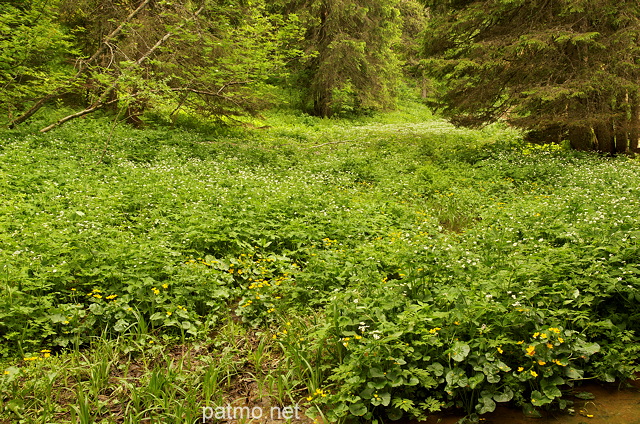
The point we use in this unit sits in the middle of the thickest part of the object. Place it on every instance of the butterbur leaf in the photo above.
(574, 373)
(121, 326)
(358, 409)
(459, 351)
(539, 399)
(386, 399)
(550, 389)
(505, 396)
(475, 380)
(437, 369)
(485, 404)
(375, 372)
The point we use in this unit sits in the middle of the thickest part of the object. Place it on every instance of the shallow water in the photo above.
(611, 405)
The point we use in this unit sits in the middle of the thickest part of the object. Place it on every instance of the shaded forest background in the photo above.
(563, 70)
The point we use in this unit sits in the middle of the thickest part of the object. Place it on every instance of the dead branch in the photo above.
(326, 144)
(82, 67)
(101, 100)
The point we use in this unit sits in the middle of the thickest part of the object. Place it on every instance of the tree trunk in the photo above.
(581, 138)
(622, 138)
(634, 126)
(605, 138)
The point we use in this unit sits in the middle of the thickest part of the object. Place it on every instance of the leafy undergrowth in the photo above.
(391, 267)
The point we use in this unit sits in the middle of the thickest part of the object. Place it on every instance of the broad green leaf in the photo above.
(459, 351)
(539, 399)
(358, 409)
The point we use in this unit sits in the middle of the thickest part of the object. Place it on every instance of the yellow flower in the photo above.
(520, 369)
(520, 342)
(165, 286)
(46, 355)
(168, 313)
(536, 334)
(543, 335)
(531, 350)
(541, 363)
(155, 290)
(500, 350)
(533, 373)
(560, 339)
(549, 345)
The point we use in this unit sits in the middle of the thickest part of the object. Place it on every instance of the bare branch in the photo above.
(101, 100)
(82, 67)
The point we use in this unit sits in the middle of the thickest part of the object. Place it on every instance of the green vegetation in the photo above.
(561, 69)
(209, 238)
(385, 267)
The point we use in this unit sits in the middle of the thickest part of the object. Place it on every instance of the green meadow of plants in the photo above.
(384, 268)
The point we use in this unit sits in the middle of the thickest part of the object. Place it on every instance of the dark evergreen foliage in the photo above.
(563, 69)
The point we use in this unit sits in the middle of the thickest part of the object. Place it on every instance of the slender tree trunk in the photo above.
(634, 127)
(425, 85)
(621, 137)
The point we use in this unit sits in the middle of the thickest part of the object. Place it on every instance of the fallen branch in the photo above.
(326, 144)
(101, 100)
(82, 67)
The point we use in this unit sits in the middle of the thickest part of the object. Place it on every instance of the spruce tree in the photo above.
(560, 69)
(350, 65)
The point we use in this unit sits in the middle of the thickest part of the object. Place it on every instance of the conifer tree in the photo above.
(350, 65)
(561, 69)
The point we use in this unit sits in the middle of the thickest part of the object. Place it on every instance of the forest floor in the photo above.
(380, 269)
